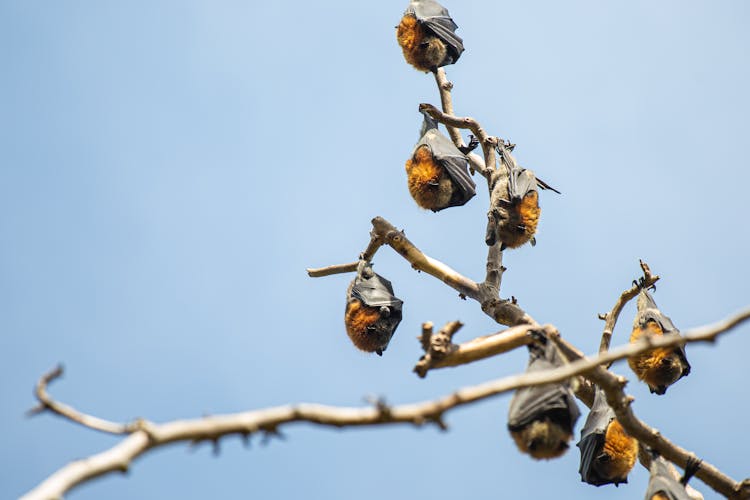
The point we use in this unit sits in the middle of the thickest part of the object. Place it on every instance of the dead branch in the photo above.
(144, 436)
(437, 355)
(444, 88)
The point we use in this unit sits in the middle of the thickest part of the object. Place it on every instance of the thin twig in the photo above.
(335, 269)
(488, 143)
(444, 88)
(372, 247)
(610, 318)
(46, 403)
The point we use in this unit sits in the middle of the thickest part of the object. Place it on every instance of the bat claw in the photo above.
(473, 143)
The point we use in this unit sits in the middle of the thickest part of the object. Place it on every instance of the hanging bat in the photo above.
(513, 220)
(608, 453)
(427, 36)
(662, 484)
(372, 312)
(661, 367)
(541, 418)
(438, 172)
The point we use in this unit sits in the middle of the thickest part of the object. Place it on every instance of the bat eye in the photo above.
(603, 458)
(385, 312)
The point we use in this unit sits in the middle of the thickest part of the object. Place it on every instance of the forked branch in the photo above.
(144, 436)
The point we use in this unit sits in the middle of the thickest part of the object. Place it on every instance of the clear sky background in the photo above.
(168, 169)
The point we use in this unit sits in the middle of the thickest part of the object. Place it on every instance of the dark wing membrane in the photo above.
(647, 310)
(455, 163)
(436, 19)
(663, 482)
(375, 291)
(554, 400)
(543, 185)
(530, 403)
(592, 438)
(444, 28)
(591, 446)
(599, 417)
(457, 169)
(655, 315)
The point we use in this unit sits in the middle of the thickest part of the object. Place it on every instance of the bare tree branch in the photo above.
(488, 143)
(145, 436)
(505, 312)
(46, 403)
(437, 355)
(444, 88)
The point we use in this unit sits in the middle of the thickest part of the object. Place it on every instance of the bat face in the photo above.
(427, 36)
(372, 312)
(541, 418)
(608, 453)
(662, 485)
(437, 172)
(661, 367)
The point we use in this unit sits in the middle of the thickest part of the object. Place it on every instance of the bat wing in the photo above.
(662, 481)
(455, 163)
(592, 439)
(520, 180)
(648, 311)
(530, 403)
(553, 400)
(525, 182)
(375, 291)
(436, 19)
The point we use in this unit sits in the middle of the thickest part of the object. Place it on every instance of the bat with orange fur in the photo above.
(427, 36)
(541, 418)
(514, 218)
(437, 171)
(608, 453)
(372, 312)
(660, 367)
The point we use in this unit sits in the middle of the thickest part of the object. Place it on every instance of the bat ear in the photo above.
(533, 241)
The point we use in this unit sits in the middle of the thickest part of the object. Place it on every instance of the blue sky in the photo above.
(169, 169)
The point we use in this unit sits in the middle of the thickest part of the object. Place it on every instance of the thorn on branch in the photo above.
(439, 422)
(269, 433)
(36, 410)
(384, 411)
